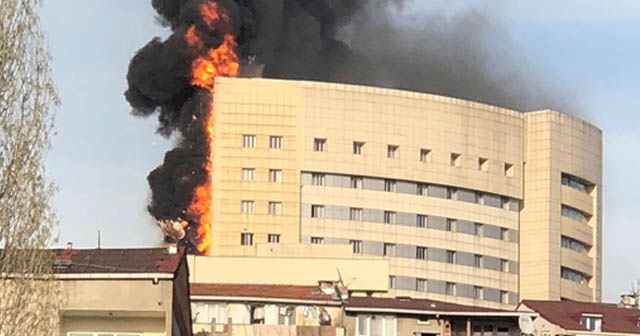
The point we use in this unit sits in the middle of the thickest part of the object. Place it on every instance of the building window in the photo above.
(452, 193)
(357, 147)
(573, 244)
(375, 325)
(477, 229)
(317, 211)
(249, 141)
(202, 312)
(425, 155)
(483, 164)
(591, 322)
(480, 198)
(355, 214)
(390, 185)
(478, 293)
(392, 282)
(504, 265)
(573, 275)
(451, 257)
(356, 246)
(450, 288)
(275, 208)
(392, 151)
(454, 160)
(319, 144)
(504, 234)
(508, 169)
(318, 179)
(389, 217)
(421, 252)
(248, 174)
(421, 285)
(248, 207)
(317, 240)
(389, 250)
(576, 183)
(275, 142)
(477, 260)
(504, 202)
(357, 182)
(275, 175)
(451, 225)
(273, 238)
(246, 239)
(574, 214)
(421, 221)
(504, 297)
(422, 189)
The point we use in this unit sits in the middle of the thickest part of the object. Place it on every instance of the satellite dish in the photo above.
(526, 324)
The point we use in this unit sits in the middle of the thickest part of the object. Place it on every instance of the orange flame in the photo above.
(221, 61)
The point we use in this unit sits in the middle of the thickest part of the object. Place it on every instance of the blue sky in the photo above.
(101, 155)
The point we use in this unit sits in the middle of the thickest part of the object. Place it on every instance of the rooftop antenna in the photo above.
(99, 240)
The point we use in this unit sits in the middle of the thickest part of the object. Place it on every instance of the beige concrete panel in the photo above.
(410, 203)
(577, 200)
(410, 235)
(363, 274)
(575, 291)
(454, 273)
(147, 326)
(577, 230)
(304, 250)
(577, 261)
(118, 295)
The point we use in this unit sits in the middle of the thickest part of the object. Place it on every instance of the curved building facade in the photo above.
(469, 203)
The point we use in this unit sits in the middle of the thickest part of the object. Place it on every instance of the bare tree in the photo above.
(29, 296)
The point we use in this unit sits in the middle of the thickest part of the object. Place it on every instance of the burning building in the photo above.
(469, 202)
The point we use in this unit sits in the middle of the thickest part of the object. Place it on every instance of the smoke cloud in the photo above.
(371, 42)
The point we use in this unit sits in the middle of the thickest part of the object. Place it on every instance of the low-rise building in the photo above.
(123, 292)
(247, 309)
(581, 318)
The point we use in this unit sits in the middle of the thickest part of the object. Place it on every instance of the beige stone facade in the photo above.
(468, 203)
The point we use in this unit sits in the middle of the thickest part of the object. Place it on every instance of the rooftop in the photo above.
(287, 292)
(566, 314)
(116, 260)
(417, 305)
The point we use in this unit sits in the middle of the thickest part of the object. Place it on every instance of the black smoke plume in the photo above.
(371, 42)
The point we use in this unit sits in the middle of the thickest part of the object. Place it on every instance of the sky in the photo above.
(101, 154)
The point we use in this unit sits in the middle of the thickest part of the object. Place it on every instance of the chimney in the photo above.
(69, 246)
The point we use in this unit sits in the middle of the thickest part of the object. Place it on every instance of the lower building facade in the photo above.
(466, 202)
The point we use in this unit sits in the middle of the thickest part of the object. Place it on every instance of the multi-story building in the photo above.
(469, 203)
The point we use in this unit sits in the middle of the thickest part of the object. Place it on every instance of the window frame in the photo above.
(248, 175)
(392, 151)
(246, 238)
(319, 144)
(275, 141)
(275, 208)
(356, 246)
(249, 141)
(358, 146)
(317, 211)
(273, 241)
(275, 175)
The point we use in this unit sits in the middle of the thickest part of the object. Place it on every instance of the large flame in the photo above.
(220, 61)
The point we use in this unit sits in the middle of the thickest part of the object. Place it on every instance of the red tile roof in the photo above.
(415, 304)
(288, 292)
(566, 314)
(117, 260)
